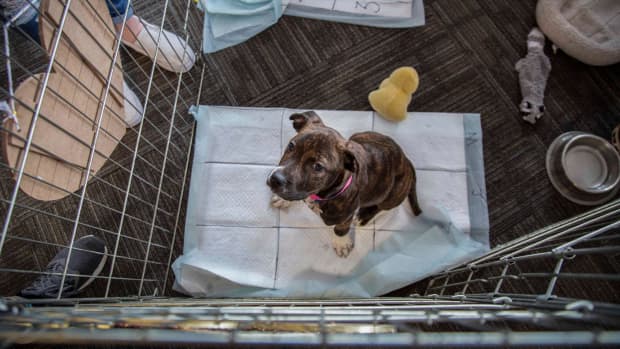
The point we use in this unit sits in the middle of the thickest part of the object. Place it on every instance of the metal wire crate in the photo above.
(134, 201)
(556, 286)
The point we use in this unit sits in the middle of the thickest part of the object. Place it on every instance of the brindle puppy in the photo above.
(342, 180)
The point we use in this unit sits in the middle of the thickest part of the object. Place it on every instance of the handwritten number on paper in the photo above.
(368, 6)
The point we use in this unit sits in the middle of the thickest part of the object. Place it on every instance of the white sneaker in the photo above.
(133, 107)
(174, 54)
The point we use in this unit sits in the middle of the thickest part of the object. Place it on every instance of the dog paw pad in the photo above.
(343, 245)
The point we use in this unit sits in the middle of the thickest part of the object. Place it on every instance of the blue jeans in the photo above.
(116, 8)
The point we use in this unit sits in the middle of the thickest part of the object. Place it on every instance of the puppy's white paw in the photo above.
(278, 202)
(313, 206)
(343, 245)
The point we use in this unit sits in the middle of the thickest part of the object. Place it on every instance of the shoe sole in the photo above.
(97, 270)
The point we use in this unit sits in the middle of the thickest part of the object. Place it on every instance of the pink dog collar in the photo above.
(315, 197)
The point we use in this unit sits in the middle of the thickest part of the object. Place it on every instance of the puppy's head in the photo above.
(315, 159)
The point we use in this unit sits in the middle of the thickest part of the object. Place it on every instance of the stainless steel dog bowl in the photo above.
(591, 164)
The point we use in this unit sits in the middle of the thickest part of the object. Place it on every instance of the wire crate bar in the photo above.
(135, 201)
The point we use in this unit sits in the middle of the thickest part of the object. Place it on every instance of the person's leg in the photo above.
(28, 22)
(117, 10)
(23, 14)
(133, 26)
(31, 28)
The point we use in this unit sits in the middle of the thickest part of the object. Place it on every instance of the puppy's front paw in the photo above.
(278, 202)
(343, 245)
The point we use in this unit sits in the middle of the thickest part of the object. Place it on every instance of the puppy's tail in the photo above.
(413, 198)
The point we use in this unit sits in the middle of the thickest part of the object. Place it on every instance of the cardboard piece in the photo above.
(67, 122)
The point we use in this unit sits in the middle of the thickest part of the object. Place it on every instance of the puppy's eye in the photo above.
(290, 146)
(318, 167)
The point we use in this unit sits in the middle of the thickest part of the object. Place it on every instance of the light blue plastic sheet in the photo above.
(230, 22)
(232, 248)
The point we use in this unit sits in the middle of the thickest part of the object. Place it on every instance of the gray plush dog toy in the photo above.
(533, 72)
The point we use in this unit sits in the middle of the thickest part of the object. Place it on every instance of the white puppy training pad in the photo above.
(237, 245)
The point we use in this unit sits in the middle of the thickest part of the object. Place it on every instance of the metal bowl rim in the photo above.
(608, 147)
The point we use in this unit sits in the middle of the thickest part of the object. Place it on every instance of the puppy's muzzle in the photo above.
(276, 179)
(282, 186)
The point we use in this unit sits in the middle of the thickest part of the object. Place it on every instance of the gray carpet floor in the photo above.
(465, 55)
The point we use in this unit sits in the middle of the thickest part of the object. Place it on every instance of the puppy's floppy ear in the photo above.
(353, 156)
(355, 160)
(308, 118)
(350, 162)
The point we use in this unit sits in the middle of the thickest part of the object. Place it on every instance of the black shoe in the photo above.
(83, 262)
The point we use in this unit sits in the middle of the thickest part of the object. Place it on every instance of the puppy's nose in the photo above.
(277, 179)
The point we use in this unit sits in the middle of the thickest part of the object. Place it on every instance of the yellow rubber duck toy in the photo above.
(393, 96)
